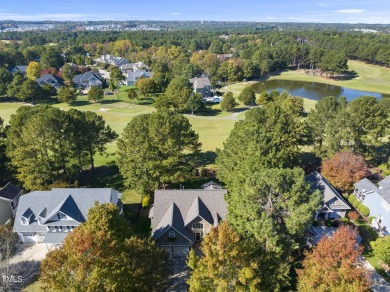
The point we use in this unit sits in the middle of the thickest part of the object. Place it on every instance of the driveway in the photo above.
(24, 266)
(378, 283)
(179, 275)
(29, 252)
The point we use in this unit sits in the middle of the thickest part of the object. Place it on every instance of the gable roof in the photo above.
(50, 79)
(69, 208)
(20, 68)
(200, 83)
(384, 183)
(87, 78)
(368, 187)
(73, 202)
(176, 208)
(134, 76)
(331, 198)
(10, 192)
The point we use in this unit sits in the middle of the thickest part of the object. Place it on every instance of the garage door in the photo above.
(180, 251)
(30, 238)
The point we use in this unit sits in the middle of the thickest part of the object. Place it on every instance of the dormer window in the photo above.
(172, 234)
(24, 221)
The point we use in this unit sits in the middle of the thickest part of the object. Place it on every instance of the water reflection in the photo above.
(312, 90)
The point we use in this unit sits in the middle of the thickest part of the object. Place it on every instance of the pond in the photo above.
(312, 90)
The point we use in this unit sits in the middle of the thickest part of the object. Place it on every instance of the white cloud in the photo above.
(351, 11)
(175, 13)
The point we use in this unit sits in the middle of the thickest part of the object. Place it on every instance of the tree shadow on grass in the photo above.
(208, 112)
(79, 103)
(205, 158)
(107, 176)
(348, 75)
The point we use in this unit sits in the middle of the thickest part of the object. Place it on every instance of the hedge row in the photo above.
(363, 210)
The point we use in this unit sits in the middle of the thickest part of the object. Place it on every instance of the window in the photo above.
(172, 234)
(197, 226)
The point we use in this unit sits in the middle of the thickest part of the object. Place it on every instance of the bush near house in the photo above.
(363, 210)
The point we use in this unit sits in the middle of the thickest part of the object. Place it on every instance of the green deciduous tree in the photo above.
(88, 260)
(51, 57)
(333, 62)
(228, 102)
(334, 265)
(67, 94)
(178, 92)
(194, 102)
(5, 79)
(31, 90)
(247, 96)
(381, 248)
(226, 264)
(155, 148)
(13, 89)
(145, 86)
(96, 94)
(68, 72)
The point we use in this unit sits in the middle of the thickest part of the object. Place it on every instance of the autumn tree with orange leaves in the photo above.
(344, 169)
(102, 255)
(334, 265)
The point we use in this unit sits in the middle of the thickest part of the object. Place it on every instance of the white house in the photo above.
(49, 216)
(377, 199)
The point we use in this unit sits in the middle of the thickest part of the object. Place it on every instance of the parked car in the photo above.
(108, 93)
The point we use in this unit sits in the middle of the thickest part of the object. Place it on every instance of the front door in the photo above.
(197, 236)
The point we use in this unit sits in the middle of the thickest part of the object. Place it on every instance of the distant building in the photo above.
(202, 85)
(180, 218)
(112, 60)
(20, 69)
(88, 80)
(51, 80)
(224, 57)
(377, 199)
(9, 198)
(132, 77)
(134, 67)
(49, 216)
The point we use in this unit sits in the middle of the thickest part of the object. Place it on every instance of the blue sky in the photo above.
(352, 11)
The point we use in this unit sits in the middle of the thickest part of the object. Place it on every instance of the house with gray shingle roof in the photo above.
(134, 67)
(377, 199)
(112, 60)
(9, 198)
(88, 80)
(49, 216)
(333, 204)
(133, 77)
(201, 85)
(181, 218)
(20, 69)
(51, 80)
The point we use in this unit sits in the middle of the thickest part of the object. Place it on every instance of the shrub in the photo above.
(146, 201)
(352, 199)
(370, 219)
(353, 215)
(363, 210)
(344, 220)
